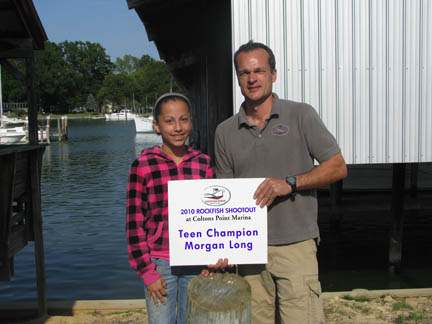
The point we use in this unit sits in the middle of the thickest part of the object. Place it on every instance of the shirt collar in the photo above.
(156, 150)
(275, 112)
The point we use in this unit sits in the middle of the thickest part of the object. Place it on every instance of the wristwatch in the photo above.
(292, 181)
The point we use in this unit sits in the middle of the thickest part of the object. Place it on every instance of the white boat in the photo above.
(11, 129)
(124, 114)
(143, 124)
(10, 135)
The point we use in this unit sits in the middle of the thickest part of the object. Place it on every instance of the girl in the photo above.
(147, 208)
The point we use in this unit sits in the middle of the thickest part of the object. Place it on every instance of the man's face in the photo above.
(254, 75)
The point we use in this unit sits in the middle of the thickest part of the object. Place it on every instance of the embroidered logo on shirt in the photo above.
(280, 130)
(216, 196)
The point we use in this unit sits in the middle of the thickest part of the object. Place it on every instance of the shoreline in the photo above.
(72, 307)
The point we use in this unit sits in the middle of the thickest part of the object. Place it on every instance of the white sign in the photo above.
(211, 219)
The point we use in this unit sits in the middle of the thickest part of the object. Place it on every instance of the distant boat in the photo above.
(143, 124)
(11, 130)
(124, 114)
(10, 135)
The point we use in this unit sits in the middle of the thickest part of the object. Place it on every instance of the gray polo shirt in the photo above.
(290, 140)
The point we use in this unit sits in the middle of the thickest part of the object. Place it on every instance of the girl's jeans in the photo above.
(177, 279)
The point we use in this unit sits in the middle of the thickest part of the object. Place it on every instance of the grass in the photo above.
(417, 317)
(334, 311)
(401, 304)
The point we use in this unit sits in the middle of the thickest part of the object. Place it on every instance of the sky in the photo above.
(107, 22)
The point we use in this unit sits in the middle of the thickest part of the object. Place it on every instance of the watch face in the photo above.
(291, 179)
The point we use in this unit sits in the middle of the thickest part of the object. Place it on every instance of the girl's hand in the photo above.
(218, 267)
(156, 290)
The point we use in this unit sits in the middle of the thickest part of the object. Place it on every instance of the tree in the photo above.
(126, 65)
(68, 72)
(144, 61)
(90, 63)
(117, 88)
(91, 104)
(153, 80)
(56, 80)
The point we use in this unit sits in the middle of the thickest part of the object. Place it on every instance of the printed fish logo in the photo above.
(216, 196)
(280, 130)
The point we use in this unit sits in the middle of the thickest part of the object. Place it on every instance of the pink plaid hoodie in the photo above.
(147, 204)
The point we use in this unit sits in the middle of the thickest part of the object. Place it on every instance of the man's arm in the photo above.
(327, 172)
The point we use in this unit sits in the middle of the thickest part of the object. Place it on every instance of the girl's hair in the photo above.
(167, 97)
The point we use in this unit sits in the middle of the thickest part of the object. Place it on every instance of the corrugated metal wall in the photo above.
(365, 65)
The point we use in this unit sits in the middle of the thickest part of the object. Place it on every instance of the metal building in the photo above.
(365, 66)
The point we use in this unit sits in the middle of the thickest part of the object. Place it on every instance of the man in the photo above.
(279, 140)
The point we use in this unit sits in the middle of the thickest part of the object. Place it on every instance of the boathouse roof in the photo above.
(21, 30)
(194, 39)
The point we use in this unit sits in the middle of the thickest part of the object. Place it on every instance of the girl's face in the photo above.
(173, 123)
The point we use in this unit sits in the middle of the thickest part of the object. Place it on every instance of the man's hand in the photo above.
(218, 267)
(269, 189)
(156, 290)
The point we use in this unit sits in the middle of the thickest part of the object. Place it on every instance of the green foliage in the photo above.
(55, 79)
(401, 305)
(126, 65)
(69, 72)
(142, 80)
(153, 80)
(91, 104)
(412, 317)
(117, 88)
(417, 316)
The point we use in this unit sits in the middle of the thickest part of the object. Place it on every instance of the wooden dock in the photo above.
(20, 210)
(46, 134)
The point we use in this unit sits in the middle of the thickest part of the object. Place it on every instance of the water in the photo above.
(83, 204)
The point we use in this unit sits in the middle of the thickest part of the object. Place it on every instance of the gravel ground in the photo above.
(338, 310)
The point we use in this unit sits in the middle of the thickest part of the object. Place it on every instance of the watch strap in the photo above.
(292, 181)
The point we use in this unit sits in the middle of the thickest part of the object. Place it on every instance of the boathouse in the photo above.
(365, 66)
(21, 33)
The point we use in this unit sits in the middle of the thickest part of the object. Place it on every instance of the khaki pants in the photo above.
(288, 283)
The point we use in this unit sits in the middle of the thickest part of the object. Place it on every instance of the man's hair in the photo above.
(250, 46)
